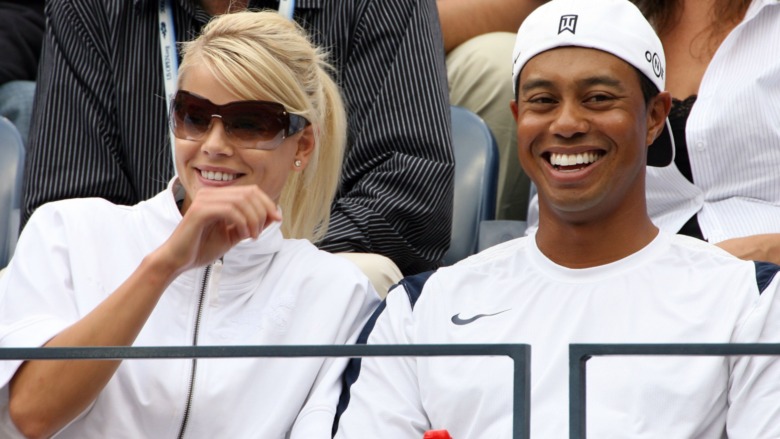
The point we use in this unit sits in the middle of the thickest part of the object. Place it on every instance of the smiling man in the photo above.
(589, 81)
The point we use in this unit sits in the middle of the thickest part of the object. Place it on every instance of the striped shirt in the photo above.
(99, 128)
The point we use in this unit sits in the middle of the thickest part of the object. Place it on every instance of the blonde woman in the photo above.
(221, 257)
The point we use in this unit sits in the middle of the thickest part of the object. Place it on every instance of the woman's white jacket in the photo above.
(270, 291)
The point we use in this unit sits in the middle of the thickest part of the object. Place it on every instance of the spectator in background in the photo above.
(478, 39)
(99, 130)
(259, 126)
(589, 102)
(21, 35)
(723, 72)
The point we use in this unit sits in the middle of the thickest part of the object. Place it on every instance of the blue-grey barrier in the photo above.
(579, 354)
(519, 353)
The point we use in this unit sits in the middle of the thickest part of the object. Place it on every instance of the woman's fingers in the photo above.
(246, 208)
(219, 218)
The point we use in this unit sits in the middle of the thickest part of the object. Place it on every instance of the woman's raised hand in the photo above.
(215, 221)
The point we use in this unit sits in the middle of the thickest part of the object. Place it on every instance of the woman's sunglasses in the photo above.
(248, 124)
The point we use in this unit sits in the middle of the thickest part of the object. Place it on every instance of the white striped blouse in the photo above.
(733, 137)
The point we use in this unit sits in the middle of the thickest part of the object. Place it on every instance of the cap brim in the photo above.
(661, 152)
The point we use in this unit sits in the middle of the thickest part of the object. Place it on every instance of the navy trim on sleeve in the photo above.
(765, 272)
(413, 286)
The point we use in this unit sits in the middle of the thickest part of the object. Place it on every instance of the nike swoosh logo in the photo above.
(459, 321)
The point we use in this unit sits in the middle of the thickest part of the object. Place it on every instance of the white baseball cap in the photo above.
(613, 26)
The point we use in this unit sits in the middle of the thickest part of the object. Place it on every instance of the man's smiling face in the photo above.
(582, 126)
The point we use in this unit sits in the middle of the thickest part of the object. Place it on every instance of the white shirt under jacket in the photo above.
(675, 290)
(733, 137)
(271, 291)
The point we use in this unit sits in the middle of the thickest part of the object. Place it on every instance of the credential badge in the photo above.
(568, 23)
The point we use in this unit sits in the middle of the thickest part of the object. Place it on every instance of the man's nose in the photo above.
(570, 119)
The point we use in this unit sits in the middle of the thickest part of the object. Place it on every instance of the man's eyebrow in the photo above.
(585, 82)
(535, 83)
(601, 80)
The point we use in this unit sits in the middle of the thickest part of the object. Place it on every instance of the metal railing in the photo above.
(579, 354)
(519, 353)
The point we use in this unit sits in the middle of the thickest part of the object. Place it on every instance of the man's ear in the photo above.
(657, 111)
(306, 146)
(513, 107)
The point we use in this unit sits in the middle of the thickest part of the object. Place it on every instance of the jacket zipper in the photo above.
(203, 288)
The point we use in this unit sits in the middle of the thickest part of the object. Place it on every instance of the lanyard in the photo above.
(286, 8)
(170, 63)
(169, 54)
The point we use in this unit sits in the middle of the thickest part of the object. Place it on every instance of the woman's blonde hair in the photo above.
(262, 55)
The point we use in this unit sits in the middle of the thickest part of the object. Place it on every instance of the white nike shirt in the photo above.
(675, 290)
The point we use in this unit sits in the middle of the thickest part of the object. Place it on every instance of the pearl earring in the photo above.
(297, 163)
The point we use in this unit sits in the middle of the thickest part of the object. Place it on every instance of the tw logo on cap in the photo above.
(567, 23)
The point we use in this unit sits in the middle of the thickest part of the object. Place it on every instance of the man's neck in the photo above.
(594, 243)
(217, 7)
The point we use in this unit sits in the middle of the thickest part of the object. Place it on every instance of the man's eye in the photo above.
(541, 100)
(600, 98)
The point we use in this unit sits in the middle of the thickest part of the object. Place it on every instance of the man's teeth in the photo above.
(218, 176)
(585, 158)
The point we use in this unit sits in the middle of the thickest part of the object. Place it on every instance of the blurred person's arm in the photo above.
(462, 20)
(764, 247)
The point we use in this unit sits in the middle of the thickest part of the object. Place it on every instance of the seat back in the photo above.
(476, 179)
(11, 167)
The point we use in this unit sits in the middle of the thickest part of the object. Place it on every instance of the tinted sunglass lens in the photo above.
(249, 124)
(195, 121)
(254, 127)
(254, 124)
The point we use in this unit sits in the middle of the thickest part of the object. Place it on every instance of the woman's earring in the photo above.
(297, 163)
